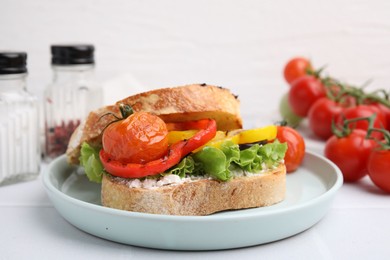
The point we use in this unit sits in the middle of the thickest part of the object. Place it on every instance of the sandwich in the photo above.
(179, 151)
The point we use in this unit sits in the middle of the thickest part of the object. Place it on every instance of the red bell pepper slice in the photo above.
(176, 152)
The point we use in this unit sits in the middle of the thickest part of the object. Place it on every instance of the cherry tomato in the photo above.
(303, 93)
(381, 115)
(378, 168)
(385, 111)
(364, 111)
(350, 153)
(296, 68)
(140, 138)
(321, 115)
(295, 147)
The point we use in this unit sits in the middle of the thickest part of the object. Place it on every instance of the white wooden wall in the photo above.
(242, 45)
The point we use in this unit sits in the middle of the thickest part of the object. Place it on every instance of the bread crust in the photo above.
(197, 198)
(176, 104)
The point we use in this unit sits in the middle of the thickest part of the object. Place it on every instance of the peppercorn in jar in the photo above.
(71, 96)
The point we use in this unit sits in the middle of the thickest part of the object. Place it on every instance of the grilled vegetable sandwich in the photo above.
(179, 151)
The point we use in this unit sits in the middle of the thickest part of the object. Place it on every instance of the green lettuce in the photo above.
(214, 162)
(256, 157)
(231, 151)
(186, 166)
(90, 160)
(219, 162)
(250, 160)
(272, 153)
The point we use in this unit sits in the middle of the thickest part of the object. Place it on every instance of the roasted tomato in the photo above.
(140, 138)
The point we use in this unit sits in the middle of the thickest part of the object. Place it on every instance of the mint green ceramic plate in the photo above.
(310, 191)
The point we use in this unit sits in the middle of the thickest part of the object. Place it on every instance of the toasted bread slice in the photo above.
(191, 102)
(177, 104)
(199, 197)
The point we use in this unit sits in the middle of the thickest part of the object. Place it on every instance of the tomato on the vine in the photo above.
(350, 153)
(378, 168)
(385, 111)
(296, 68)
(295, 147)
(321, 115)
(364, 111)
(379, 161)
(303, 93)
(140, 138)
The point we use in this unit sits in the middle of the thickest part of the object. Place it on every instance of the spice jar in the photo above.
(72, 94)
(19, 124)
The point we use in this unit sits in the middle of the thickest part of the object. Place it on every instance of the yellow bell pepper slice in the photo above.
(176, 136)
(219, 138)
(258, 134)
(235, 136)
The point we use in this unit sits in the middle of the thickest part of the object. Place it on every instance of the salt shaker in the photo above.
(19, 123)
(72, 94)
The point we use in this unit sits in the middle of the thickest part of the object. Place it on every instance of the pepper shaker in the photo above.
(72, 94)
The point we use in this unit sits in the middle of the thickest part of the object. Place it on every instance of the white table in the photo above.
(356, 227)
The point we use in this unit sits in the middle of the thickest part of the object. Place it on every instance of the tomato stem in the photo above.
(315, 73)
(337, 91)
(282, 123)
(345, 128)
(374, 97)
(126, 110)
(385, 145)
(329, 84)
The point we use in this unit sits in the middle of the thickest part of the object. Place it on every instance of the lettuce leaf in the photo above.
(220, 162)
(231, 151)
(272, 153)
(250, 160)
(186, 166)
(90, 160)
(212, 161)
(258, 157)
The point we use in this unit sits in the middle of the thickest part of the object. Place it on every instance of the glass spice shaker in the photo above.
(72, 94)
(19, 123)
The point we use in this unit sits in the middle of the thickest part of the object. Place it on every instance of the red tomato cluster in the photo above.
(357, 153)
(330, 106)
